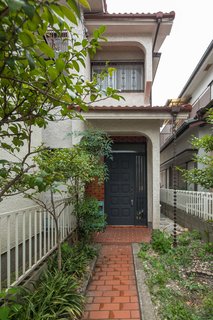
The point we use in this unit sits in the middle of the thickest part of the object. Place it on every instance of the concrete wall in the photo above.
(190, 222)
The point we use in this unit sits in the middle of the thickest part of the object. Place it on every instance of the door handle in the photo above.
(132, 202)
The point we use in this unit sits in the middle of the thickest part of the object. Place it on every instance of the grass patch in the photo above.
(179, 279)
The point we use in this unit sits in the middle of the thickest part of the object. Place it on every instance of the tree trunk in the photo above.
(77, 204)
(59, 257)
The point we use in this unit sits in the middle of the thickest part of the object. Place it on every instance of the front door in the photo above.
(125, 192)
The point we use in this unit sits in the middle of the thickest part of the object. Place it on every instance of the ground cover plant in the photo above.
(180, 279)
(58, 293)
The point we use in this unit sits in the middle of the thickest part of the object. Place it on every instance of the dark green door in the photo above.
(125, 192)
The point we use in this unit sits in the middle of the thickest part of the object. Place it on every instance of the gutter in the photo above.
(183, 108)
(103, 16)
(181, 129)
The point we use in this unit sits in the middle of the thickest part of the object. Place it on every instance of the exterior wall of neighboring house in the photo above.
(199, 91)
(184, 154)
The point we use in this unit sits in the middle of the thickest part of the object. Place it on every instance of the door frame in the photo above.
(138, 148)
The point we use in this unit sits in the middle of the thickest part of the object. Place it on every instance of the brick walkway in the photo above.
(112, 293)
(114, 235)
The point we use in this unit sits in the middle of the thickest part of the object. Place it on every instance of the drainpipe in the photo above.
(174, 112)
(159, 17)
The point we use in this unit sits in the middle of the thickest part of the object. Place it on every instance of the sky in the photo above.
(190, 36)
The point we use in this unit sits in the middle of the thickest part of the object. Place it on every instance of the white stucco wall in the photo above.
(58, 134)
(18, 201)
(119, 52)
(197, 88)
(182, 143)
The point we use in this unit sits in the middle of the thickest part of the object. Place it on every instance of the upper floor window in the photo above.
(128, 76)
(59, 42)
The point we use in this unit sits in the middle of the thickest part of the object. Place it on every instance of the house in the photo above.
(198, 91)
(131, 195)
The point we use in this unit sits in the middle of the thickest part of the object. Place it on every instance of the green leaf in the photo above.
(2, 36)
(74, 7)
(15, 5)
(69, 14)
(29, 10)
(85, 3)
(53, 73)
(82, 62)
(30, 60)
(84, 43)
(102, 29)
(76, 65)
(93, 97)
(47, 50)
(57, 9)
(6, 146)
(4, 313)
(14, 129)
(60, 64)
(3, 162)
(34, 22)
(47, 16)
(26, 38)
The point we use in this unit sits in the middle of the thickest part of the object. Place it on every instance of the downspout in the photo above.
(159, 17)
(174, 112)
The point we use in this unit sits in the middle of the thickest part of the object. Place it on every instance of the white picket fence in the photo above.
(196, 203)
(27, 237)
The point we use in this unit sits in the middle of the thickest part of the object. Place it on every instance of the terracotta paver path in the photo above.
(112, 292)
(114, 235)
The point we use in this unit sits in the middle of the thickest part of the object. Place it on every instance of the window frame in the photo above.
(113, 64)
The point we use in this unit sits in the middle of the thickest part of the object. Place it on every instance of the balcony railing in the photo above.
(27, 237)
(195, 203)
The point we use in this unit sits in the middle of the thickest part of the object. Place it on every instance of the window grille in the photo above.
(126, 77)
(59, 42)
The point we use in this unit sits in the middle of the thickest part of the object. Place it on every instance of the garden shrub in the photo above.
(90, 218)
(161, 242)
(56, 297)
(75, 259)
